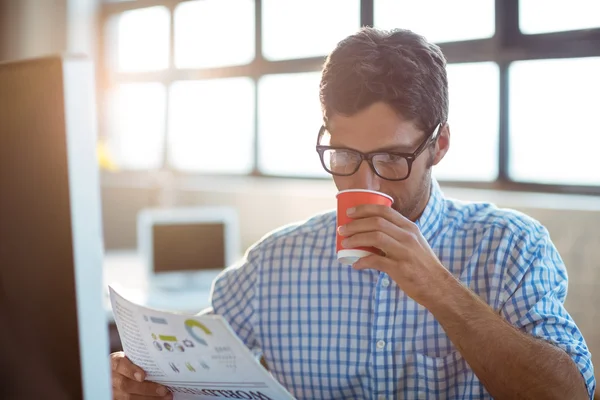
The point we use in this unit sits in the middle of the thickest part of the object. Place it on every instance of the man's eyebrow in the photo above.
(394, 148)
(385, 149)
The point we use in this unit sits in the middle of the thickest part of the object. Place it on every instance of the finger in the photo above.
(370, 210)
(123, 384)
(369, 224)
(380, 240)
(374, 261)
(401, 235)
(118, 395)
(122, 365)
(127, 396)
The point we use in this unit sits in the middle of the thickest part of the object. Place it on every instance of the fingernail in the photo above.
(162, 391)
(138, 376)
(350, 210)
(342, 229)
(344, 243)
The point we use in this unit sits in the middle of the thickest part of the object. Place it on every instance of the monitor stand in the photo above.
(188, 280)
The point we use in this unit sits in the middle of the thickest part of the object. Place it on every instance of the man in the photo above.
(467, 301)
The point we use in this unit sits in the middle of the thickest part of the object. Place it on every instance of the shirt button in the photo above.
(385, 282)
(380, 344)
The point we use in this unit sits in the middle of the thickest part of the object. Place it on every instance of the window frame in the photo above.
(507, 45)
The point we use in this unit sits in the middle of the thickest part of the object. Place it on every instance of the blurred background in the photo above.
(215, 102)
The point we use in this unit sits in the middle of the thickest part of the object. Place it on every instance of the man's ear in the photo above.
(442, 144)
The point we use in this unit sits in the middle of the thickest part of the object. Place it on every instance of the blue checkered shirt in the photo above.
(328, 331)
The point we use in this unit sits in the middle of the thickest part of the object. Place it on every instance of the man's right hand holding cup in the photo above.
(128, 381)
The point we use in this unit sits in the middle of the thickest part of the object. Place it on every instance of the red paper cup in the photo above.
(352, 198)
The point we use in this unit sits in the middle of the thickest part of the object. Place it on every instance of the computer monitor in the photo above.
(187, 247)
(54, 334)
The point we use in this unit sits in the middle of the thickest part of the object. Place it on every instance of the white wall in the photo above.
(82, 23)
(33, 28)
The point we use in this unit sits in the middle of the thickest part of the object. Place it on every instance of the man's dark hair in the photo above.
(397, 67)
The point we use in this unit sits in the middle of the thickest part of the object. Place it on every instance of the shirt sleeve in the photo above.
(233, 297)
(535, 290)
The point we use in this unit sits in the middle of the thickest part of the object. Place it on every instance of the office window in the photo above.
(136, 121)
(438, 20)
(541, 16)
(473, 119)
(211, 125)
(289, 118)
(214, 33)
(554, 132)
(142, 40)
(306, 28)
(268, 102)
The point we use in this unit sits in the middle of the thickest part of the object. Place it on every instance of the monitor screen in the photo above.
(188, 247)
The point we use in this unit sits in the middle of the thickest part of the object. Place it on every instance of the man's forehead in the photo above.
(379, 119)
(397, 135)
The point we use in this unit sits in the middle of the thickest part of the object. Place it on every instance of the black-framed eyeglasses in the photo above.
(391, 166)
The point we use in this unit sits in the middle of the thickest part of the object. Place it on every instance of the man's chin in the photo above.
(405, 211)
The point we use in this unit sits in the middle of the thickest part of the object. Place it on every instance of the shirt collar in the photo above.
(430, 222)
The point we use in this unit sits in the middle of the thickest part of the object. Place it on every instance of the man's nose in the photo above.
(365, 178)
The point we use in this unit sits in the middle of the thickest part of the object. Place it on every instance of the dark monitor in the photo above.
(53, 328)
(188, 246)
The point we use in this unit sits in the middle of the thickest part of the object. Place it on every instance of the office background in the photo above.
(214, 102)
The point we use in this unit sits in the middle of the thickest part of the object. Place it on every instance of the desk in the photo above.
(125, 270)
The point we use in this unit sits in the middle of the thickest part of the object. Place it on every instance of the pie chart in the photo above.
(192, 326)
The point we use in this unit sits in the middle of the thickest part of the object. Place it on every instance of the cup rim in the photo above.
(350, 256)
(365, 191)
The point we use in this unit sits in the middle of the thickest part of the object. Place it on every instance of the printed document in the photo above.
(195, 356)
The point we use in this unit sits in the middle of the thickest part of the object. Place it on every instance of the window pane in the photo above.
(438, 20)
(209, 34)
(540, 16)
(554, 132)
(142, 39)
(211, 125)
(136, 122)
(309, 28)
(473, 119)
(289, 120)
